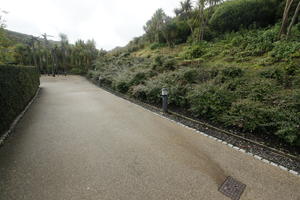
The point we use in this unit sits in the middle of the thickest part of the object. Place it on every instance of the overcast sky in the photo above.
(110, 23)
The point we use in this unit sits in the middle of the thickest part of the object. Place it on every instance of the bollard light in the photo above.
(164, 93)
(99, 80)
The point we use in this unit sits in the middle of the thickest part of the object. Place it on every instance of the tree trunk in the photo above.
(202, 20)
(284, 25)
(293, 19)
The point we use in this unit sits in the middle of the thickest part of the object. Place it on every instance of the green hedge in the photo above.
(18, 84)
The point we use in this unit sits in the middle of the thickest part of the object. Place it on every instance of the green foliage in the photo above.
(77, 71)
(284, 49)
(253, 116)
(18, 85)
(229, 73)
(156, 46)
(250, 116)
(256, 42)
(6, 50)
(161, 63)
(233, 15)
(190, 75)
(247, 79)
(122, 86)
(138, 78)
(209, 101)
(194, 51)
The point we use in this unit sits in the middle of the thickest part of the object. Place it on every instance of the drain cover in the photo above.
(232, 188)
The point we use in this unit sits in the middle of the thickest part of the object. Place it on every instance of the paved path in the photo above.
(78, 142)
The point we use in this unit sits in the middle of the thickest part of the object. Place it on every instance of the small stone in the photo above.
(257, 157)
(293, 172)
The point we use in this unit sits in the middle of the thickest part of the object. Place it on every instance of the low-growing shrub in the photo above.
(194, 51)
(122, 86)
(138, 78)
(153, 90)
(209, 101)
(138, 92)
(177, 95)
(284, 49)
(163, 63)
(229, 73)
(156, 46)
(251, 116)
(190, 75)
(261, 90)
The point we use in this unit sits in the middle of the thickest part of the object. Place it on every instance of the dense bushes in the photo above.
(195, 51)
(209, 101)
(233, 15)
(18, 85)
(247, 80)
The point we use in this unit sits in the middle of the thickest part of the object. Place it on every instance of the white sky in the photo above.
(110, 23)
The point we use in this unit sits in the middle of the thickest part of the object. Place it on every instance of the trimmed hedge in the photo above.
(18, 84)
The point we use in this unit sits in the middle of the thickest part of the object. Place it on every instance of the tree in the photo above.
(64, 43)
(293, 19)
(185, 12)
(6, 50)
(285, 18)
(202, 17)
(154, 28)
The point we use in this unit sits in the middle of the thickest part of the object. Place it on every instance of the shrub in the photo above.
(153, 90)
(273, 73)
(284, 49)
(229, 73)
(169, 64)
(18, 84)
(209, 101)
(190, 75)
(156, 46)
(289, 128)
(251, 116)
(122, 86)
(194, 51)
(262, 90)
(177, 95)
(255, 42)
(138, 92)
(138, 78)
(163, 63)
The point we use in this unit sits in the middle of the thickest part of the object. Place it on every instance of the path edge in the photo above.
(160, 114)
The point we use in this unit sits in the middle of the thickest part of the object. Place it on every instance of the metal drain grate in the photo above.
(232, 188)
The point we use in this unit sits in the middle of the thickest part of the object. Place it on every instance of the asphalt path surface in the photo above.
(79, 142)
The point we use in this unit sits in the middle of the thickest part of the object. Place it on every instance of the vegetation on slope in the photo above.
(240, 74)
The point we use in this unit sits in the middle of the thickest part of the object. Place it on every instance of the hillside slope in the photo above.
(245, 80)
